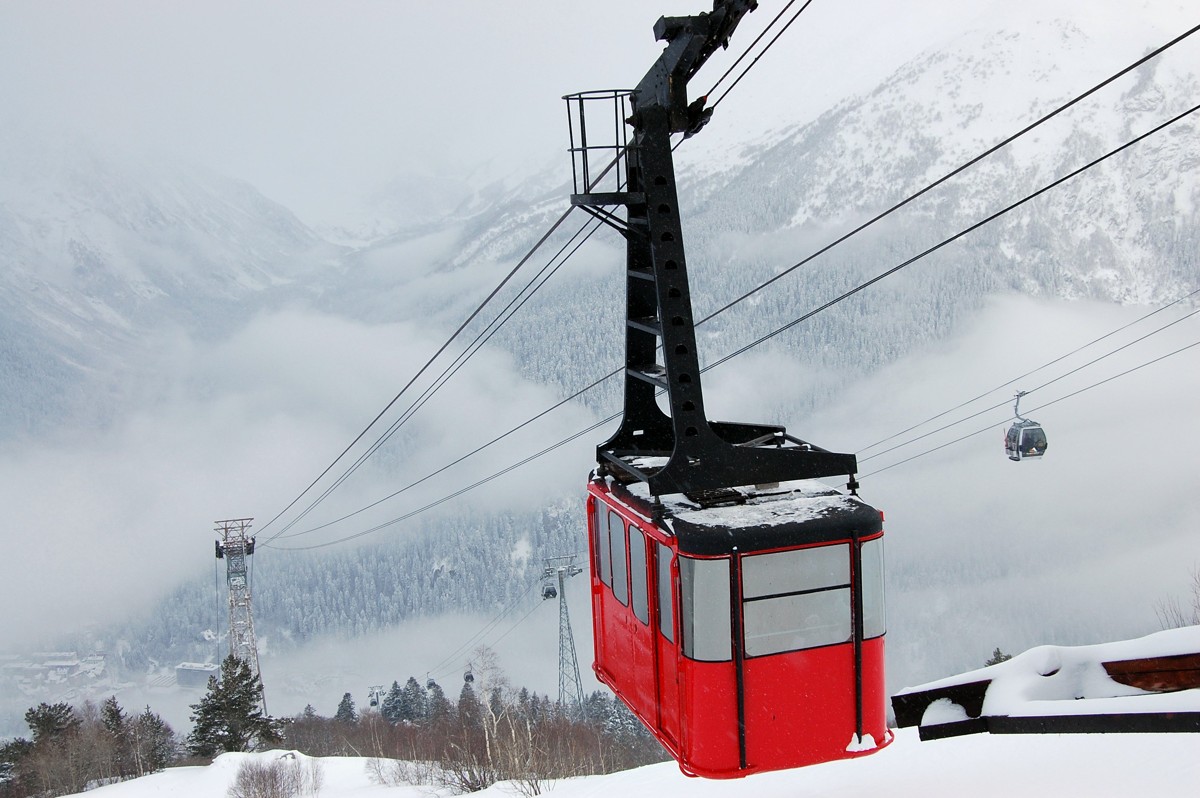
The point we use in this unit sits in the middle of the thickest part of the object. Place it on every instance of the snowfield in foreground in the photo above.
(1159, 765)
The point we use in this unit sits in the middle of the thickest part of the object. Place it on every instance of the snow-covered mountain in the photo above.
(104, 251)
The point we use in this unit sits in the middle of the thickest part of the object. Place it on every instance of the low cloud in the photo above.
(102, 523)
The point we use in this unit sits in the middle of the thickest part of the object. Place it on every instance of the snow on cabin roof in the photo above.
(802, 500)
(793, 513)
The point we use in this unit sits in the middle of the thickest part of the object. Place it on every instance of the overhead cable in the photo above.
(482, 338)
(428, 363)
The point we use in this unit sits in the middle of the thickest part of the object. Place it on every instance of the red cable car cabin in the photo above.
(746, 636)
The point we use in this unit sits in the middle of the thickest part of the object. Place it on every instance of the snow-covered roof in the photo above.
(1061, 681)
(754, 517)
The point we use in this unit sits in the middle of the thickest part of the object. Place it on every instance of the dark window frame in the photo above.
(665, 590)
(620, 588)
(639, 578)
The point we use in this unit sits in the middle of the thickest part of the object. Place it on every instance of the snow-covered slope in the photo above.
(1099, 766)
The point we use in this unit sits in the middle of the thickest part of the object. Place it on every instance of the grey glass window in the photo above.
(874, 617)
(796, 599)
(666, 613)
(794, 571)
(616, 548)
(639, 599)
(603, 557)
(704, 616)
(801, 620)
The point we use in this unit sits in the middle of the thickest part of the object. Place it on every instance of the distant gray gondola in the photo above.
(1025, 438)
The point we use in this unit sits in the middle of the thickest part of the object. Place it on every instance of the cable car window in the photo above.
(704, 616)
(620, 574)
(603, 558)
(794, 571)
(1033, 440)
(874, 618)
(638, 591)
(666, 613)
(802, 620)
(796, 599)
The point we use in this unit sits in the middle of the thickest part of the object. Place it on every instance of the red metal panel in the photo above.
(668, 691)
(624, 646)
(800, 706)
(708, 705)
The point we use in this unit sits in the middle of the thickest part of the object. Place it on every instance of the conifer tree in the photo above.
(346, 713)
(390, 708)
(152, 741)
(997, 657)
(230, 717)
(413, 701)
(440, 708)
(115, 723)
(470, 711)
(48, 722)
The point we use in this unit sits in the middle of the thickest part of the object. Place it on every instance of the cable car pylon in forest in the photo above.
(737, 604)
(1025, 438)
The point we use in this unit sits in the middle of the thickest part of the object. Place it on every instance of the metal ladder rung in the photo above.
(654, 374)
(649, 324)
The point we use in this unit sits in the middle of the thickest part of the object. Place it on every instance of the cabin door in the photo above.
(664, 590)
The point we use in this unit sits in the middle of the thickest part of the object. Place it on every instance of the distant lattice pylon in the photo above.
(570, 686)
(235, 547)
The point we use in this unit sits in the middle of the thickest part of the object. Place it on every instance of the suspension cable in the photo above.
(482, 338)
(1090, 363)
(961, 168)
(956, 236)
(512, 605)
(760, 55)
(558, 222)
(751, 47)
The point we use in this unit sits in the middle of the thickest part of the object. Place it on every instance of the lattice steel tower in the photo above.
(570, 687)
(234, 547)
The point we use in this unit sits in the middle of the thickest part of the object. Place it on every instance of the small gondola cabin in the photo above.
(746, 635)
(1025, 439)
